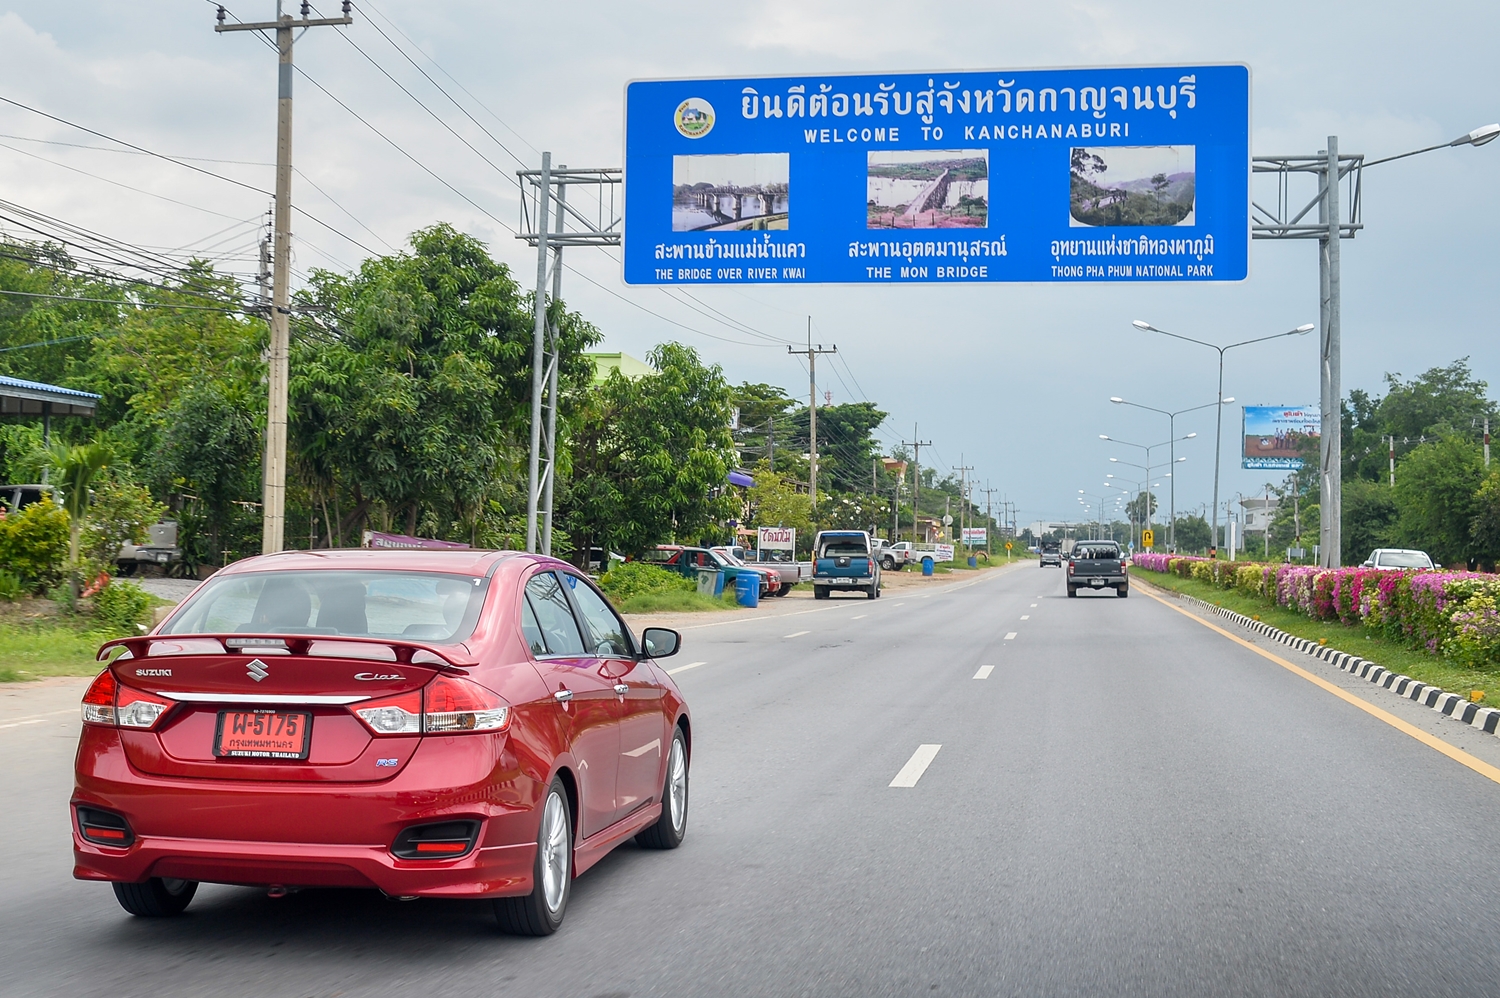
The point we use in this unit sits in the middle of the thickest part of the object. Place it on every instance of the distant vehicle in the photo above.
(845, 559)
(1097, 565)
(1051, 554)
(895, 557)
(686, 561)
(787, 573)
(1397, 559)
(160, 550)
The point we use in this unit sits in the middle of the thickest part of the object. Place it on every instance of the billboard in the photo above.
(1059, 175)
(776, 539)
(976, 536)
(1275, 434)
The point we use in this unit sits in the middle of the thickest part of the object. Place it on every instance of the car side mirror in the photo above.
(660, 642)
(1367, 564)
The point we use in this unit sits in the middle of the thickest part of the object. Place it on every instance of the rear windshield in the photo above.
(1095, 552)
(1404, 559)
(425, 606)
(841, 547)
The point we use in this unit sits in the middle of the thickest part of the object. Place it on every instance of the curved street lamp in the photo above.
(1172, 432)
(1302, 330)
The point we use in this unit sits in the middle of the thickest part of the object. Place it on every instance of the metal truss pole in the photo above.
(545, 212)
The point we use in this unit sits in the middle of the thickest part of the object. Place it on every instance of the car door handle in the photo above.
(621, 689)
(563, 696)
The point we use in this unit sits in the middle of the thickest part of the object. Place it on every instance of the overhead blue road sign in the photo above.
(1122, 174)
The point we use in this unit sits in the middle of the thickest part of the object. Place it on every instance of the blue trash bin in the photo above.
(927, 565)
(747, 589)
(973, 561)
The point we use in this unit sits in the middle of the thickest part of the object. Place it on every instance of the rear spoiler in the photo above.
(446, 657)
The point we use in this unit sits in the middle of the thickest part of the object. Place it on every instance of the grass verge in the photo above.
(676, 602)
(36, 650)
(1358, 640)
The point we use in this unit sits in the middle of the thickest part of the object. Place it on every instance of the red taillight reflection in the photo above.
(394, 715)
(99, 701)
(137, 709)
(454, 705)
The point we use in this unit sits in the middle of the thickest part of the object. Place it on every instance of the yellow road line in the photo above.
(1431, 741)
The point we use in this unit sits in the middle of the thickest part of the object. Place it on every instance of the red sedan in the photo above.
(430, 723)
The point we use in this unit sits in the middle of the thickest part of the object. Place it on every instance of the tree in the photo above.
(651, 456)
(1369, 518)
(77, 467)
(1193, 533)
(1435, 487)
(1142, 508)
(776, 503)
(846, 444)
(1484, 529)
(412, 398)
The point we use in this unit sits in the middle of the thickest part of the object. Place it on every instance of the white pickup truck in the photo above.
(894, 557)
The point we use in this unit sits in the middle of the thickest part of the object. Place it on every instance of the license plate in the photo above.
(263, 734)
(1096, 582)
(843, 582)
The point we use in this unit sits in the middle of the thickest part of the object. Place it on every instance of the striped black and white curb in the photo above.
(1452, 705)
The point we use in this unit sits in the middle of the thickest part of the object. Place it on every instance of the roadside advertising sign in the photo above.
(939, 552)
(1060, 175)
(1275, 434)
(976, 536)
(777, 539)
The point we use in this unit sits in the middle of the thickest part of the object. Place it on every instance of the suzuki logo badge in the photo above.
(257, 670)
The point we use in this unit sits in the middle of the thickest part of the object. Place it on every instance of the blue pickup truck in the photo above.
(844, 560)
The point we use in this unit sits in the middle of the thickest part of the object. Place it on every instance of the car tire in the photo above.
(873, 592)
(820, 592)
(541, 912)
(158, 897)
(1122, 591)
(1072, 591)
(671, 828)
(888, 563)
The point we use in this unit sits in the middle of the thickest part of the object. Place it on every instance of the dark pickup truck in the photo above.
(1097, 565)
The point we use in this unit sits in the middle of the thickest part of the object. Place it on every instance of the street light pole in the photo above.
(1172, 432)
(1329, 169)
(1213, 549)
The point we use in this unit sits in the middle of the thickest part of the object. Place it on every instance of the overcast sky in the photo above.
(1013, 379)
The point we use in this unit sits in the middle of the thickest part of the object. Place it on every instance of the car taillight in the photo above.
(1070, 568)
(136, 709)
(458, 705)
(99, 701)
(396, 715)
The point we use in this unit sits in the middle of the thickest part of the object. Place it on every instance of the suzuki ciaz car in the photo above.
(451, 724)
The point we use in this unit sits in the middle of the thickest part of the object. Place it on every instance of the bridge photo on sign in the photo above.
(928, 189)
(736, 193)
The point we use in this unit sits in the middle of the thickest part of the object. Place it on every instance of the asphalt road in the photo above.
(1127, 803)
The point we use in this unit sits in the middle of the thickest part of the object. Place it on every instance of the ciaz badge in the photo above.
(370, 677)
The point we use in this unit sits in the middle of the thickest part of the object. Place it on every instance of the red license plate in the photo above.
(263, 734)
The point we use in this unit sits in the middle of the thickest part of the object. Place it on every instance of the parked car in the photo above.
(1397, 559)
(1097, 565)
(160, 550)
(14, 498)
(688, 560)
(438, 723)
(1051, 553)
(895, 557)
(844, 560)
(788, 574)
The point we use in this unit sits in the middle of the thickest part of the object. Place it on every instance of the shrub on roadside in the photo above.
(638, 578)
(122, 605)
(34, 544)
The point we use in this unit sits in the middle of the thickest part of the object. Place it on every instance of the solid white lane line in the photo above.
(916, 766)
(894, 605)
(684, 668)
(1010, 636)
(860, 616)
(984, 672)
(796, 634)
(1025, 616)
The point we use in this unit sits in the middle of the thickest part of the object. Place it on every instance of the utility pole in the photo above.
(812, 412)
(1486, 443)
(989, 516)
(273, 488)
(1393, 455)
(963, 479)
(916, 478)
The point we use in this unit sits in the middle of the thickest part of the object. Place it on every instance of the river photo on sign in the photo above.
(736, 192)
(1132, 185)
(927, 189)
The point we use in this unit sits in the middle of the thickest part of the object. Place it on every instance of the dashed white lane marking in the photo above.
(859, 616)
(916, 766)
(1033, 604)
(1010, 635)
(984, 672)
(1025, 616)
(684, 668)
(37, 718)
(894, 605)
(796, 634)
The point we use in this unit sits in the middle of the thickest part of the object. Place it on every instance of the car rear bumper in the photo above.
(1097, 581)
(308, 835)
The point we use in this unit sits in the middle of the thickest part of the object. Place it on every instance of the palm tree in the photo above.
(76, 468)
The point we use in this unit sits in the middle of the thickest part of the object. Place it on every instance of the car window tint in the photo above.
(845, 546)
(531, 629)
(607, 632)
(554, 615)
